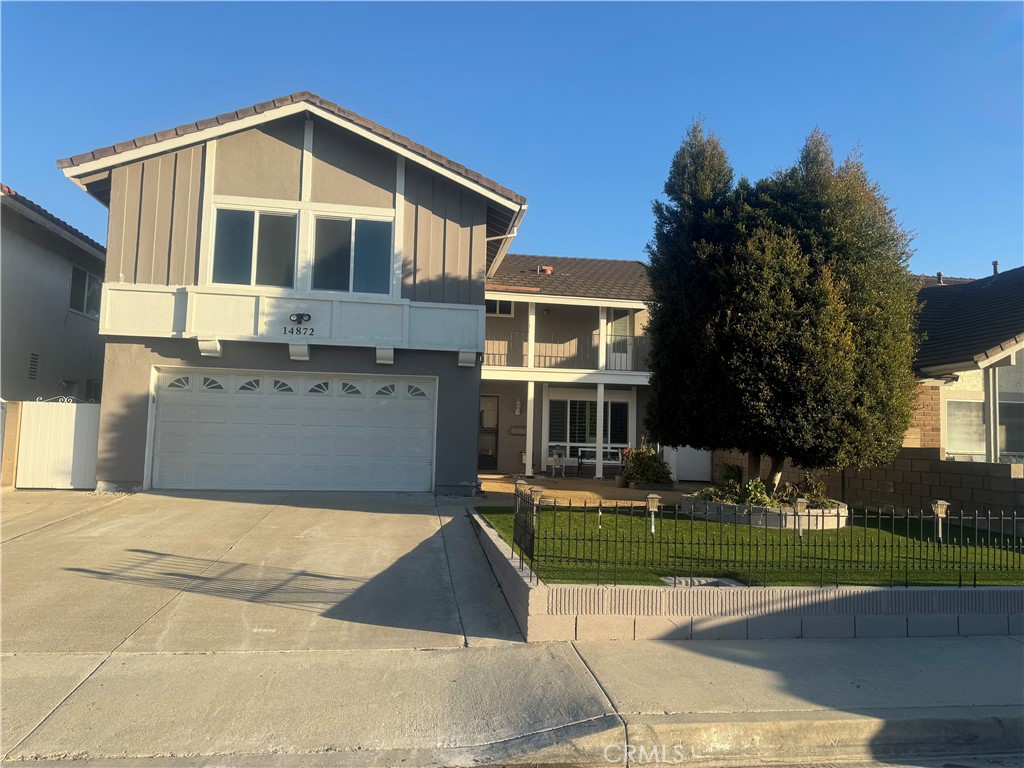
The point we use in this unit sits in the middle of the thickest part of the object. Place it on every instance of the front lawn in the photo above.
(581, 546)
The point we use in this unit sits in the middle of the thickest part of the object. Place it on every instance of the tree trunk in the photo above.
(775, 475)
(753, 466)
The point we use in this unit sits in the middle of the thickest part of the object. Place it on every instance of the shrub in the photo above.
(732, 473)
(646, 467)
(755, 494)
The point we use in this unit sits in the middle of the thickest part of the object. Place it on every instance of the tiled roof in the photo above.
(971, 321)
(579, 278)
(6, 191)
(268, 106)
(930, 280)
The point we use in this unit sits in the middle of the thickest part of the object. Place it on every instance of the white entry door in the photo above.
(256, 431)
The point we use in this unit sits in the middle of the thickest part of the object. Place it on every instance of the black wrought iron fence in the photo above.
(698, 541)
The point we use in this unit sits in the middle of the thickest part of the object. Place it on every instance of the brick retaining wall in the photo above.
(912, 481)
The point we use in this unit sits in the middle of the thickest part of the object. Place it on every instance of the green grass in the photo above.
(866, 552)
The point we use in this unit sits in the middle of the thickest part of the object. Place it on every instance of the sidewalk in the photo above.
(707, 703)
(303, 629)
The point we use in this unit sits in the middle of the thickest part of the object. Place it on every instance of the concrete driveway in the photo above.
(206, 572)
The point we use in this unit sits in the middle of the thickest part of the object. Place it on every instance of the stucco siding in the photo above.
(445, 247)
(350, 170)
(262, 162)
(153, 231)
(35, 288)
(124, 415)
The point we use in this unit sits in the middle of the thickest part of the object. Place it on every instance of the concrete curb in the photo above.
(753, 739)
(709, 740)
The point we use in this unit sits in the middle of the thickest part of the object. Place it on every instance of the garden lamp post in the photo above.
(653, 503)
(939, 507)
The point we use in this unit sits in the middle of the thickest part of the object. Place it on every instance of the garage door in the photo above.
(253, 431)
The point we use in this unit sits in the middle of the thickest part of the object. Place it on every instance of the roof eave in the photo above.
(36, 218)
(206, 130)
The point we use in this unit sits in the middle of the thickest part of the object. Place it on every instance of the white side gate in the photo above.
(58, 444)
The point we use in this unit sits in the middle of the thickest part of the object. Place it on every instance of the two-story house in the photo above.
(565, 368)
(50, 279)
(294, 299)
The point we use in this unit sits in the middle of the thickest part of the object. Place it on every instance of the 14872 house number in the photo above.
(299, 330)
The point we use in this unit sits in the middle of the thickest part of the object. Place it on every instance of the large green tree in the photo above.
(782, 313)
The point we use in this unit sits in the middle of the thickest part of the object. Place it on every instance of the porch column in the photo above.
(529, 423)
(602, 339)
(544, 437)
(599, 463)
(991, 377)
(531, 334)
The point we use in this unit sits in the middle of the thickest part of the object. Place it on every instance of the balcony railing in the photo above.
(557, 349)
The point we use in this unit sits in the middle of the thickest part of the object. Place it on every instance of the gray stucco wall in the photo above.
(35, 286)
(124, 413)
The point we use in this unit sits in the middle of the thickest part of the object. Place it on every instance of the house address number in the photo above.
(299, 330)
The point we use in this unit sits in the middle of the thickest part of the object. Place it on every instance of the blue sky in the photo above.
(578, 106)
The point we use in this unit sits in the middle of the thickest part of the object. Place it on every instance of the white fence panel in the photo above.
(58, 445)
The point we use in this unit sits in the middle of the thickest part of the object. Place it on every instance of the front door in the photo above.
(488, 442)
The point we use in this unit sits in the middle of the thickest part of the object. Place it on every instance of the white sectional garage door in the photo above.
(257, 431)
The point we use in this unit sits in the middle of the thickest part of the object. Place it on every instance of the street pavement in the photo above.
(317, 629)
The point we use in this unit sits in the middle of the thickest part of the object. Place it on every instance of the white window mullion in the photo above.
(352, 259)
(255, 238)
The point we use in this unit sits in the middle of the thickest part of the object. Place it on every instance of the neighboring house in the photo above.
(971, 368)
(50, 282)
(565, 367)
(294, 300)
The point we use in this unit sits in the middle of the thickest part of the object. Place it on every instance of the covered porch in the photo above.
(530, 427)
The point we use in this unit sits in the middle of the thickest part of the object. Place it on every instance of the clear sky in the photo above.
(577, 106)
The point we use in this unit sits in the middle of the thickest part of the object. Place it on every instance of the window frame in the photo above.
(89, 277)
(306, 214)
(497, 307)
(271, 210)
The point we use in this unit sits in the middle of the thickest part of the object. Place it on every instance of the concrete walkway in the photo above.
(329, 629)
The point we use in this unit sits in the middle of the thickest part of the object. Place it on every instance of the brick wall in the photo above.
(926, 423)
(912, 481)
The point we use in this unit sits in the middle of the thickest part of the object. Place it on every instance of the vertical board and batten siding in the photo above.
(445, 243)
(155, 207)
(153, 235)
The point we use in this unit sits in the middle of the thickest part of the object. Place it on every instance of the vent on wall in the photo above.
(33, 366)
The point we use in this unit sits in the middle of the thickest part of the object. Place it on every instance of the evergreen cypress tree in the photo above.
(783, 313)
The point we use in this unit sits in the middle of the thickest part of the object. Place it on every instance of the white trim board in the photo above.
(564, 376)
(76, 172)
(543, 298)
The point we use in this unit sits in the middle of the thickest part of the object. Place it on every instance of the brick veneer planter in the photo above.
(588, 612)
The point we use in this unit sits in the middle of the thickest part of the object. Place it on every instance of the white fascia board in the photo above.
(543, 298)
(75, 172)
(979, 363)
(49, 226)
(507, 242)
(564, 376)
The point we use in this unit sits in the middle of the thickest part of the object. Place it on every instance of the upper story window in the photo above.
(352, 255)
(85, 292)
(500, 308)
(263, 247)
(254, 248)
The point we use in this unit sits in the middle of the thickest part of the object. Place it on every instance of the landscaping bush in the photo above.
(646, 467)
